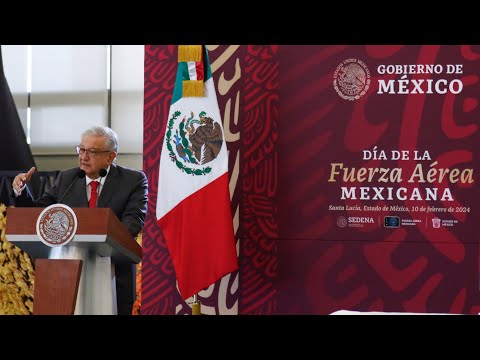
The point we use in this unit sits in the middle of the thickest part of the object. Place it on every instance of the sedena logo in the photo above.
(342, 221)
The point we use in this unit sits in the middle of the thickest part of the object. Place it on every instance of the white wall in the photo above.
(70, 91)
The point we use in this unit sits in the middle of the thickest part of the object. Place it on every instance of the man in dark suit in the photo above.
(123, 190)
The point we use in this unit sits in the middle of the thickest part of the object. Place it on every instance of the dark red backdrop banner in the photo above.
(352, 177)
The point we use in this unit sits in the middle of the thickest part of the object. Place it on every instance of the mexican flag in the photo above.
(193, 202)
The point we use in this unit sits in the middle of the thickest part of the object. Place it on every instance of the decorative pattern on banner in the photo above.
(159, 294)
(258, 261)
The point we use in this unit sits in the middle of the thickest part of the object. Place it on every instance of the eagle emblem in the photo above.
(193, 142)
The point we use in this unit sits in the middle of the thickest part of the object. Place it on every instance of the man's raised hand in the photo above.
(22, 179)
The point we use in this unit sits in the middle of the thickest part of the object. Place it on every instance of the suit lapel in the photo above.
(81, 188)
(108, 187)
(77, 195)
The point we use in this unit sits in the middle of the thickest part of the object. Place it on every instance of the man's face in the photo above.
(95, 156)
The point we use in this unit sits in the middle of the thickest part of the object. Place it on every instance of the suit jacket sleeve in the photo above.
(48, 198)
(133, 217)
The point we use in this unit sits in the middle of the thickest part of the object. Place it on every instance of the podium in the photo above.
(79, 277)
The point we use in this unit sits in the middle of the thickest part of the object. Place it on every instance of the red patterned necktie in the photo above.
(93, 194)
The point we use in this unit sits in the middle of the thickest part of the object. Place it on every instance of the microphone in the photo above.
(80, 175)
(102, 172)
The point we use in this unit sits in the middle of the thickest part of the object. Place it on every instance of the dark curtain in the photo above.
(15, 153)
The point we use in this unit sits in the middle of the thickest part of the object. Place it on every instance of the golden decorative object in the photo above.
(138, 301)
(17, 275)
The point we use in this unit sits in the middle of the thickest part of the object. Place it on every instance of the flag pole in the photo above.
(196, 305)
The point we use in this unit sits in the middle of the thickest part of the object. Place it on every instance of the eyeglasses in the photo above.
(91, 153)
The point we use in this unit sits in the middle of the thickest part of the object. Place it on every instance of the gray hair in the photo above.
(110, 136)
